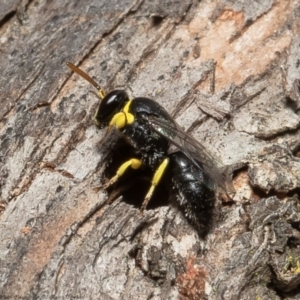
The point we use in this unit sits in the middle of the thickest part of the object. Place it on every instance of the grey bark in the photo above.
(228, 71)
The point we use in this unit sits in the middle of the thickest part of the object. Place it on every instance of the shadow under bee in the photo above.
(134, 184)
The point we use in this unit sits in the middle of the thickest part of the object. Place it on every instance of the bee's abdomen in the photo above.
(193, 195)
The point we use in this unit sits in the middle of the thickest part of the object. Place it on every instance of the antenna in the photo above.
(75, 69)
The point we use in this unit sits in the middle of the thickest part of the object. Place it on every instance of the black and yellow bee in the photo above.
(149, 129)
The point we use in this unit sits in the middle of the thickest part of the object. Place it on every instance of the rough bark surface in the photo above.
(228, 71)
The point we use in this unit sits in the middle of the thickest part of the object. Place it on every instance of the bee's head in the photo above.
(111, 104)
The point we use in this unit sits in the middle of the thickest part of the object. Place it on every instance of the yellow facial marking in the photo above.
(119, 120)
(123, 118)
(95, 118)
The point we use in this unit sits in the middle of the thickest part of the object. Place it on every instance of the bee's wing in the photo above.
(194, 150)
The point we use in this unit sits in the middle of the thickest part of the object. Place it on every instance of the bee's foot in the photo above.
(106, 185)
(142, 210)
(109, 183)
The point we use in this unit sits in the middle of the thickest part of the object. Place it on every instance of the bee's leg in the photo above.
(156, 179)
(134, 163)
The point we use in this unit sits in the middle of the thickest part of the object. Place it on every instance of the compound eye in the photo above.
(112, 101)
(111, 104)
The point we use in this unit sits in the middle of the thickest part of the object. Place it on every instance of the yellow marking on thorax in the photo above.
(123, 118)
(129, 116)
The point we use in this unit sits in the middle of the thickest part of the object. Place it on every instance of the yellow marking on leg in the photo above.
(156, 179)
(134, 163)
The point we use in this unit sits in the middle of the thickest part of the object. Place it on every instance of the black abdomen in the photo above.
(195, 191)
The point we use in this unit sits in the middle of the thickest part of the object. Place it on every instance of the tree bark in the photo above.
(227, 71)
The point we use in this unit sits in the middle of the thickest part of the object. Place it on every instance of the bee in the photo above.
(150, 130)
